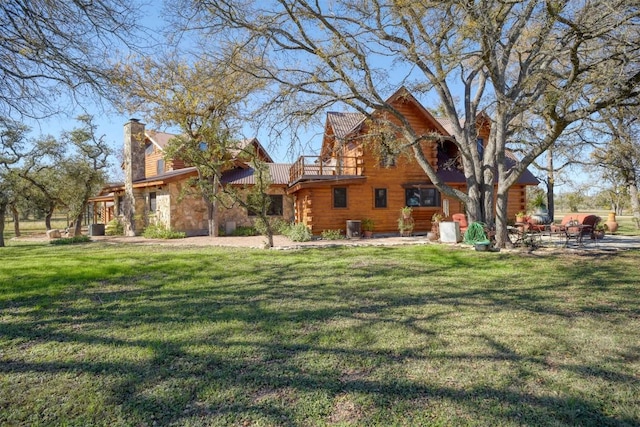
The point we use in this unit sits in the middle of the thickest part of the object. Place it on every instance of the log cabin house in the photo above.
(351, 181)
(348, 181)
(152, 192)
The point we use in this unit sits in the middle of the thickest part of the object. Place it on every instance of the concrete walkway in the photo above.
(609, 243)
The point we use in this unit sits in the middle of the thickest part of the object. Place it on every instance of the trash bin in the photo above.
(450, 232)
(96, 230)
(353, 228)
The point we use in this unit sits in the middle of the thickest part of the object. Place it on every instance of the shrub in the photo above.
(115, 227)
(71, 240)
(157, 231)
(298, 233)
(332, 234)
(245, 231)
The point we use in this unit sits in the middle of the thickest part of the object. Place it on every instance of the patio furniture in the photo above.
(462, 220)
(575, 227)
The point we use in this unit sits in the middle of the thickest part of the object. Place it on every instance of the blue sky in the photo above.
(110, 123)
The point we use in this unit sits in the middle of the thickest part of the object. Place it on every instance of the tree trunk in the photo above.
(3, 211)
(502, 202)
(635, 203)
(212, 207)
(269, 232)
(551, 207)
(16, 220)
(47, 218)
(78, 223)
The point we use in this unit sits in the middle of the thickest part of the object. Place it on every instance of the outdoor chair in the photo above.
(461, 219)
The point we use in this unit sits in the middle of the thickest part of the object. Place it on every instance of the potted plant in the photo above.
(405, 221)
(540, 212)
(520, 216)
(406, 212)
(367, 228)
(436, 219)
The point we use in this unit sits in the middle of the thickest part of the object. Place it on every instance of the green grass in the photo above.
(31, 226)
(99, 334)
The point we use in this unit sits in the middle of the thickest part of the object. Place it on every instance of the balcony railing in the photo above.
(313, 167)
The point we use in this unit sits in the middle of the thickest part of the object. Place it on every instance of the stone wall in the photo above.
(186, 213)
(189, 214)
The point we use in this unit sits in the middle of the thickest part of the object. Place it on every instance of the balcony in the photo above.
(308, 168)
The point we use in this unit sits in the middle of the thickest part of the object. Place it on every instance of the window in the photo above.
(387, 160)
(148, 149)
(380, 196)
(340, 197)
(415, 197)
(152, 202)
(480, 143)
(160, 166)
(275, 207)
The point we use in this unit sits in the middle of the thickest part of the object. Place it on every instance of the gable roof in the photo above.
(403, 95)
(260, 150)
(239, 176)
(343, 123)
(160, 139)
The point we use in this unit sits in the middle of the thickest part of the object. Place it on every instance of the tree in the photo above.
(84, 168)
(620, 157)
(256, 198)
(49, 47)
(556, 62)
(41, 169)
(12, 140)
(204, 101)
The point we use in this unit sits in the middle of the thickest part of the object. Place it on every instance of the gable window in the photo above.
(148, 149)
(387, 160)
(152, 202)
(380, 197)
(275, 207)
(339, 197)
(416, 197)
(160, 166)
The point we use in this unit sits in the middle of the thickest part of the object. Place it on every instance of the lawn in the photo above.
(100, 334)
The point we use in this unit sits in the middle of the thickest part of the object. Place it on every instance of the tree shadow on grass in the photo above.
(284, 342)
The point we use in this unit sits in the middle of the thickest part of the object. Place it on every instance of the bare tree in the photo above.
(621, 155)
(558, 61)
(49, 48)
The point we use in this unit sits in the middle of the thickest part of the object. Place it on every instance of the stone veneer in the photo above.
(189, 213)
(134, 169)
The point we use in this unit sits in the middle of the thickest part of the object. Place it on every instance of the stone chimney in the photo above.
(134, 150)
(134, 170)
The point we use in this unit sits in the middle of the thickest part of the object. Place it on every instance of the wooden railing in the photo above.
(308, 167)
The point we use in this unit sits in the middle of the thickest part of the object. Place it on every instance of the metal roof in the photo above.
(239, 176)
(344, 123)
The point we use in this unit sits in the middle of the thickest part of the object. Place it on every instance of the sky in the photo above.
(110, 122)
